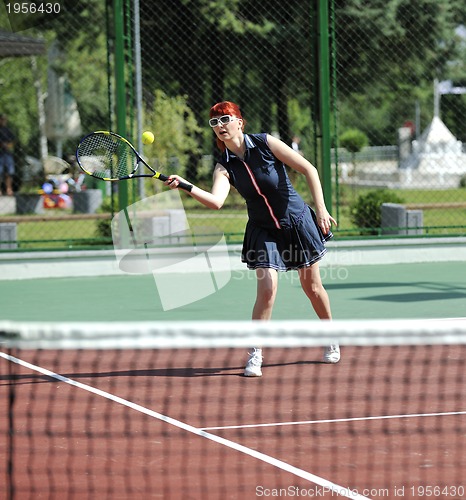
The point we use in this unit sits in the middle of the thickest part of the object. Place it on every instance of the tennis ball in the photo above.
(148, 137)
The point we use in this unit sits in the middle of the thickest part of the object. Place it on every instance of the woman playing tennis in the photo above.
(283, 232)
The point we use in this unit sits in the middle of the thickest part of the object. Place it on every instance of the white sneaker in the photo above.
(253, 366)
(332, 354)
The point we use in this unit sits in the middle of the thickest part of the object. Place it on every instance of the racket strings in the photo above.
(106, 156)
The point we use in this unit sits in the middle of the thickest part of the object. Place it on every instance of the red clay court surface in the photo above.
(384, 422)
(387, 424)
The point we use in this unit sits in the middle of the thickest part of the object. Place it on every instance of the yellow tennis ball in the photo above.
(148, 137)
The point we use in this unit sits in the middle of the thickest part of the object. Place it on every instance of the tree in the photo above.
(389, 52)
(353, 140)
(175, 128)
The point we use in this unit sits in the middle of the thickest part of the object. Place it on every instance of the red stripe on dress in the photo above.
(256, 186)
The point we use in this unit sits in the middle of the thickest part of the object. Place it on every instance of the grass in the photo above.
(436, 221)
(78, 233)
(56, 234)
(231, 220)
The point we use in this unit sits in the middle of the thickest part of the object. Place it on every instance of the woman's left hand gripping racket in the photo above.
(110, 157)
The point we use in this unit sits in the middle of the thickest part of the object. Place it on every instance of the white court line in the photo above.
(340, 490)
(335, 420)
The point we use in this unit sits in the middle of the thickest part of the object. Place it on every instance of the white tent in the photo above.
(437, 157)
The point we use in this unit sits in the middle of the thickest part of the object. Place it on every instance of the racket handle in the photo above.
(183, 185)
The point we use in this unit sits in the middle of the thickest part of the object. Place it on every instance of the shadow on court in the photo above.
(183, 372)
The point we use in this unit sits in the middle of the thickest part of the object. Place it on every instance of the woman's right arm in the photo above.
(220, 188)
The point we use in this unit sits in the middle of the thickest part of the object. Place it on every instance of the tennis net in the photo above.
(161, 410)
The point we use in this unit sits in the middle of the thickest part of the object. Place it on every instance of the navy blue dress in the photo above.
(282, 231)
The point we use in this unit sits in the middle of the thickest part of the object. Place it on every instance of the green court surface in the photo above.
(424, 290)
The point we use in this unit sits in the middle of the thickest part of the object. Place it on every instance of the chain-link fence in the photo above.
(396, 98)
(401, 78)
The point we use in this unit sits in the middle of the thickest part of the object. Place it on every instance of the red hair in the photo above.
(225, 108)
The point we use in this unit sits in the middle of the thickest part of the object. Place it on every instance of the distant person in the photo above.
(7, 163)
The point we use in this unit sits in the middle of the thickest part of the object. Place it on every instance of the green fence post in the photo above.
(120, 87)
(323, 41)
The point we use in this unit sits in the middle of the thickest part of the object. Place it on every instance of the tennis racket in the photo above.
(110, 157)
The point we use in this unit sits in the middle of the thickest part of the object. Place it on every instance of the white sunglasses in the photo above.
(223, 120)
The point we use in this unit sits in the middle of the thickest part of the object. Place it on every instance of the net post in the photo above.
(10, 486)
